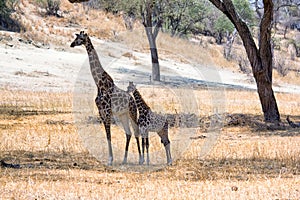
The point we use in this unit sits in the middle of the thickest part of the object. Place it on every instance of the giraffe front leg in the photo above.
(108, 137)
(141, 157)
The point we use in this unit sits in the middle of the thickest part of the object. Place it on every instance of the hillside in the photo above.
(48, 38)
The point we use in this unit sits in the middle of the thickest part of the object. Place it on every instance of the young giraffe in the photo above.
(110, 99)
(150, 121)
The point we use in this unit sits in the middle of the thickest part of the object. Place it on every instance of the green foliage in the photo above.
(184, 16)
(4, 9)
(223, 25)
(180, 17)
(243, 8)
(6, 22)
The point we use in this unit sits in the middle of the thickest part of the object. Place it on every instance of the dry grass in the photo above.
(37, 131)
(49, 30)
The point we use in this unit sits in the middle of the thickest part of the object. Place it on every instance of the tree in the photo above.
(260, 56)
(151, 12)
(182, 17)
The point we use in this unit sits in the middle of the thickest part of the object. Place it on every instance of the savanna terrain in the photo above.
(46, 88)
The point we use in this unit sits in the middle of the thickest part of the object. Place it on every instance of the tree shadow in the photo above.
(49, 160)
(191, 169)
(257, 125)
(8, 23)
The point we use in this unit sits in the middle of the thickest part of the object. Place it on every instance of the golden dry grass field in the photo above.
(43, 156)
(249, 161)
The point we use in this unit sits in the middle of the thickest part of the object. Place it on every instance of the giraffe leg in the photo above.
(147, 147)
(137, 135)
(163, 134)
(143, 148)
(103, 104)
(134, 124)
(108, 137)
(125, 122)
(141, 160)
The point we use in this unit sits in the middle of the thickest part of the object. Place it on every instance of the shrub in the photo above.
(52, 7)
(281, 66)
(7, 7)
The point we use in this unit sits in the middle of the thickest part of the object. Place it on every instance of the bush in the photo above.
(51, 6)
(281, 66)
(7, 7)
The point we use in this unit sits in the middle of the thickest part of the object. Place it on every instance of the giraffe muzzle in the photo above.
(72, 44)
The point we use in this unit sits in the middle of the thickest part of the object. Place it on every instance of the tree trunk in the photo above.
(152, 33)
(260, 58)
(267, 98)
(154, 54)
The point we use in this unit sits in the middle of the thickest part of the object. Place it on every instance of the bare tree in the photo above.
(260, 56)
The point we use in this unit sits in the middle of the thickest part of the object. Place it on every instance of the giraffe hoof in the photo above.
(141, 161)
(110, 160)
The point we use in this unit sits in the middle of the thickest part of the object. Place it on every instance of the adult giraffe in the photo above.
(110, 99)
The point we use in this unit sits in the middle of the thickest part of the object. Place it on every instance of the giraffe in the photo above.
(150, 121)
(110, 100)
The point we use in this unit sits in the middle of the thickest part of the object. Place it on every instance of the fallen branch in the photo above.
(291, 123)
(7, 165)
(77, 1)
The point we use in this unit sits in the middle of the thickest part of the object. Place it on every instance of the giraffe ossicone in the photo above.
(110, 100)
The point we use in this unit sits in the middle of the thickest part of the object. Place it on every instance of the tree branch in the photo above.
(227, 7)
(77, 1)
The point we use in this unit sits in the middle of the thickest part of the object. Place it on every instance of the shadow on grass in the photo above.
(184, 169)
(257, 125)
(7, 23)
(15, 111)
(49, 160)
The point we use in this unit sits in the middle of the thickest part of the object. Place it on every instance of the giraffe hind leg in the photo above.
(145, 143)
(137, 136)
(134, 124)
(125, 123)
(163, 134)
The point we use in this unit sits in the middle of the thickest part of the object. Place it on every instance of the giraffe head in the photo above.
(131, 87)
(81, 39)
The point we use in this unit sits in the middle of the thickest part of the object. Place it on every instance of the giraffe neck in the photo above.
(140, 103)
(95, 65)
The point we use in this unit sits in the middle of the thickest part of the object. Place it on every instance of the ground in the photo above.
(46, 151)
